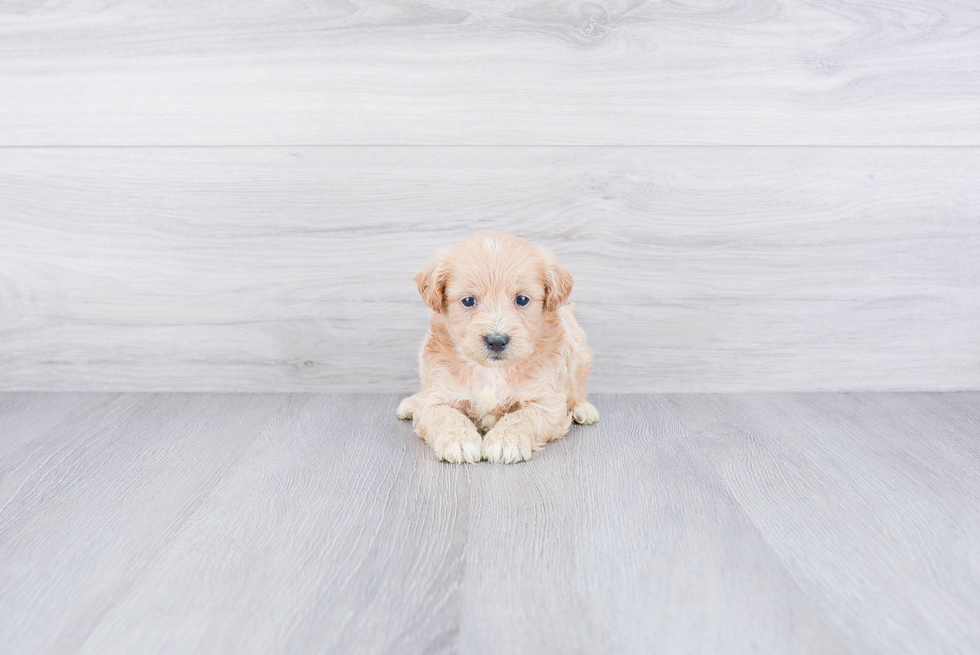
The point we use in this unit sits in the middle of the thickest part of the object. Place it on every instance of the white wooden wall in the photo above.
(234, 196)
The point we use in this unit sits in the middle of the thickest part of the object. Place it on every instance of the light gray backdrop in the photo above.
(754, 196)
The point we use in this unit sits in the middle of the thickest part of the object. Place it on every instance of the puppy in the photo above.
(504, 364)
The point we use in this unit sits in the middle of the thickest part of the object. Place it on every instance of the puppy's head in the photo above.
(497, 296)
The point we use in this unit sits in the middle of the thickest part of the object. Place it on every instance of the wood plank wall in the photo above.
(234, 196)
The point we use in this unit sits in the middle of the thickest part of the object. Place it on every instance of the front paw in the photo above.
(406, 408)
(506, 446)
(585, 413)
(458, 447)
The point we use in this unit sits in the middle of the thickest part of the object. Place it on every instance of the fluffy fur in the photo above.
(479, 404)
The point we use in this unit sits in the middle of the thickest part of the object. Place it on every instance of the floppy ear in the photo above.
(432, 282)
(557, 284)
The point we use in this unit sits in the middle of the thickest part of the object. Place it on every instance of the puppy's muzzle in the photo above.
(496, 342)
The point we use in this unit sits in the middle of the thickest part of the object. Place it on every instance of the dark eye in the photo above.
(468, 301)
(522, 300)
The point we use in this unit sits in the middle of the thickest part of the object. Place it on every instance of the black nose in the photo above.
(496, 342)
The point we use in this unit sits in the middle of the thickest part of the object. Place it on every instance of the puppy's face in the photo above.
(497, 296)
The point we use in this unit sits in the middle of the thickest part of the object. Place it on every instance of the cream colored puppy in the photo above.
(504, 364)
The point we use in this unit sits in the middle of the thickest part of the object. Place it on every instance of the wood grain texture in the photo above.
(284, 269)
(889, 481)
(759, 523)
(95, 500)
(619, 539)
(613, 72)
(335, 532)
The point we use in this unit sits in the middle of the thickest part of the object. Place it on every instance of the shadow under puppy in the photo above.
(504, 364)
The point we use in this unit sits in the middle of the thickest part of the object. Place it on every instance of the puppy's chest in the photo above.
(489, 396)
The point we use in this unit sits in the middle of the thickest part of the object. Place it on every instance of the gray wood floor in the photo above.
(768, 523)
